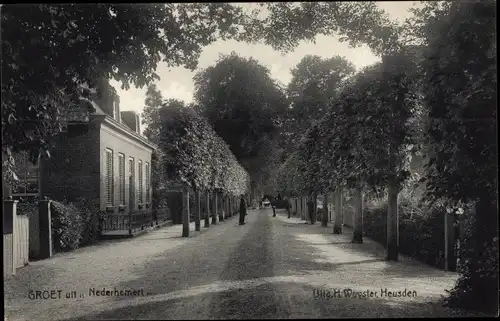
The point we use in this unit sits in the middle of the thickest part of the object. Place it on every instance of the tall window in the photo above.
(121, 175)
(131, 182)
(109, 177)
(147, 184)
(141, 197)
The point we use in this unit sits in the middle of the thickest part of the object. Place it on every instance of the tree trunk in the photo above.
(214, 213)
(315, 208)
(221, 211)
(337, 220)
(198, 211)
(357, 235)
(207, 209)
(324, 217)
(185, 213)
(392, 222)
(310, 209)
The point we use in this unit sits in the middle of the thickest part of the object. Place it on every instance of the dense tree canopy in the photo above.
(314, 82)
(460, 81)
(150, 115)
(195, 155)
(245, 106)
(81, 44)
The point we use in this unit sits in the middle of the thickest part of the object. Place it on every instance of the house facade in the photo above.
(101, 156)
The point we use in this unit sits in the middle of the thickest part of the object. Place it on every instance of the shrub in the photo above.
(467, 293)
(91, 218)
(67, 226)
(421, 229)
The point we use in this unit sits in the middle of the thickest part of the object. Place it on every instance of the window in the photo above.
(141, 197)
(28, 174)
(131, 182)
(147, 184)
(121, 178)
(109, 177)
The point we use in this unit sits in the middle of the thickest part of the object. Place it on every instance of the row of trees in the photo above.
(82, 44)
(195, 155)
(434, 93)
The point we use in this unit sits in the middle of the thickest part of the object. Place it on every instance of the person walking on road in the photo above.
(274, 210)
(243, 210)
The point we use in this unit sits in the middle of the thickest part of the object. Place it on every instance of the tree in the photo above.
(244, 106)
(82, 44)
(127, 42)
(150, 114)
(314, 82)
(288, 23)
(460, 93)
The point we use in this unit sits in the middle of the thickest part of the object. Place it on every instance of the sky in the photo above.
(177, 82)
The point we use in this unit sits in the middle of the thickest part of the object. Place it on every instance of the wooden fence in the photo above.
(21, 240)
(15, 238)
(130, 223)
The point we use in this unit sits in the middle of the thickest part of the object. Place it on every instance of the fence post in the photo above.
(450, 261)
(9, 218)
(214, 214)
(185, 212)
(198, 211)
(45, 224)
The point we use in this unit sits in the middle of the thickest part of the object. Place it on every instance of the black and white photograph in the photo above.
(249, 160)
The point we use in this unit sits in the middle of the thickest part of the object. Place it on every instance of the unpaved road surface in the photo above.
(271, 267)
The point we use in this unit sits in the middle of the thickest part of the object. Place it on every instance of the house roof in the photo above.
(88, 108)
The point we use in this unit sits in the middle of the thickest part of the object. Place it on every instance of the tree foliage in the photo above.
(77, 44)
(245, 106)
(351, 144)
(196, 155)
(288, 23)
(150, 115)
(314, 83)
(460, 95)
(80, 44)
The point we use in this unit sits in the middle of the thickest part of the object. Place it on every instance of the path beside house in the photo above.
(267, 268)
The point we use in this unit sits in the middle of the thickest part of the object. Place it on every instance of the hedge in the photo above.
(196, 156)
(421, 235)
(74, 224)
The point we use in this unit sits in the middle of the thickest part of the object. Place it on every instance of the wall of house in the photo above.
(119, 142)
(73, 169)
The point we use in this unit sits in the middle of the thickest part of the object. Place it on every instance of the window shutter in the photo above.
(121, 174)
(141, 197)
(109, 177)
(147, 184)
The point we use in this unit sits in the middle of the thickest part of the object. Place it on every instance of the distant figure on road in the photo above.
(274, 210)
(243, 210)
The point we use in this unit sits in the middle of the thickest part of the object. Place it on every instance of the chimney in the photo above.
(108, 99)
(131, 119)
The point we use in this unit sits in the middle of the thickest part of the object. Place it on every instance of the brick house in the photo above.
(101, 156)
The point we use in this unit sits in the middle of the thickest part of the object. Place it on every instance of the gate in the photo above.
(21, 240)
